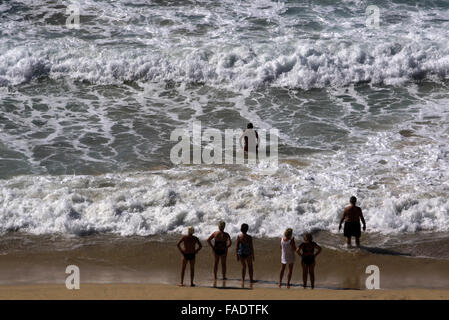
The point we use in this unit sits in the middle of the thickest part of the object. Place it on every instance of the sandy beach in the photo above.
(142, 268)
(172, 292)
(125, 123)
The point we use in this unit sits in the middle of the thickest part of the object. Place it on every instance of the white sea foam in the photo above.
(209, 44)
(399, 192)
(310, 65)
(147, 204)
(387, 145)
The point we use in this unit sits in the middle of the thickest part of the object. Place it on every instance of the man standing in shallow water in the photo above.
(352, 216)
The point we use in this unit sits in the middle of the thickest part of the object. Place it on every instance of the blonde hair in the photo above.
(288, 233)
(190, 230)
(221, 225)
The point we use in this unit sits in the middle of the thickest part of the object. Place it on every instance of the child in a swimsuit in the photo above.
(307, 252)
(245, 253)
(188, 254)
(222, 241)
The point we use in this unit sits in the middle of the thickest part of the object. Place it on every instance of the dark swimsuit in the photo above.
(308, 257)
(220, 247)
(188, 256)
(352, 229)
(244, 250)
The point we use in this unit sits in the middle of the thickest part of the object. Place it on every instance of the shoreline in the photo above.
(172, 292)
(139, 261)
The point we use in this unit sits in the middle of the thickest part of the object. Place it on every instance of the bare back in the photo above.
(353, 213)
(244, 238)
(189, 243)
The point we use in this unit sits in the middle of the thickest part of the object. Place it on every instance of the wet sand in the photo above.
(142, 261)
(170, 292)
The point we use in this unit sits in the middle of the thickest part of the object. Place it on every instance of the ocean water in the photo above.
(86, 115)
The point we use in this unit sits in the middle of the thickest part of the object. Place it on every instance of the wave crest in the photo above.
(306, 66)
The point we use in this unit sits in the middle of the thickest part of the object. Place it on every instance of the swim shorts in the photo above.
(189, 256)
(352, 229)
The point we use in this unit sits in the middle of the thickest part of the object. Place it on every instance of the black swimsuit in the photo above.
(188, 256)
(308, 257)
(352, 229)
(220, 247)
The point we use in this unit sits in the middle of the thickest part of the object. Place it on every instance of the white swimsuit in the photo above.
(288, 253)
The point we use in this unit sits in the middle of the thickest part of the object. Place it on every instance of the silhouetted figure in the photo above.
(352, 216)
(188, 252)
(222, 241)
(307, 252)
(245, 253)
(251, 138)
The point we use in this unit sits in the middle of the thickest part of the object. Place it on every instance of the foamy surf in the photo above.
(155, 203)
(86, 115)
(235, 44)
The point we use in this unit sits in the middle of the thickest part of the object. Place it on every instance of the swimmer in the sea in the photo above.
(222, 241)
(188, 252)
(251, 138)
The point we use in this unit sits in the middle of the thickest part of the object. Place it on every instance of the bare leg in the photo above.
(216, 258)
(242, 260)
(348, 242)
(312, 275)
(281, 275)
(183, 269)
(192, 272)
(289, 275)
(304, 275)
(250, 269)
(223, 266)
(357, 242)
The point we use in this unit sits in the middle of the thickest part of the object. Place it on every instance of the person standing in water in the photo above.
(307, 252)
(245, 253)
(222, 241)
(352, 216)
(251, 138)
(288, 249)
(188, 252)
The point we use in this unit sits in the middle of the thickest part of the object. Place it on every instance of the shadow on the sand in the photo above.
(376, 250)
(231, 287)
(297, 285)
(275, 283)
(335, 288)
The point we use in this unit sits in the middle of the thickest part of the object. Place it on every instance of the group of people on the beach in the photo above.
(220, 242)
